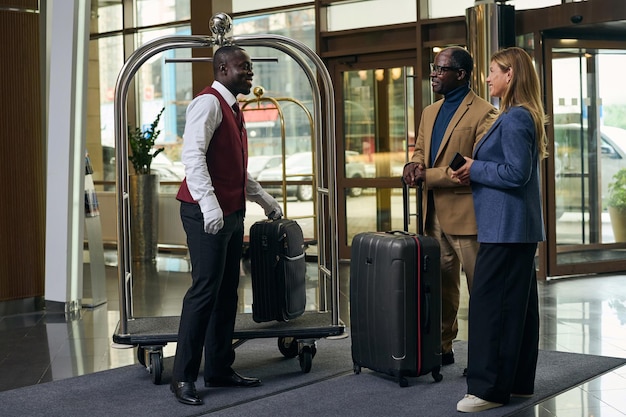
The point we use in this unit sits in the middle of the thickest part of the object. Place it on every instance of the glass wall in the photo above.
(438, 9)
(379, 134)
(279, 123)
(151, 12)
(367, 13)
(156, 84)
(162, 83)
(240, 6)
(280, 79)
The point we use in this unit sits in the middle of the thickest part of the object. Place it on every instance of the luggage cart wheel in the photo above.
(141, 355)
(156, 366)
(306, 360)
(288, 346)
(437, 375)
(307, 350)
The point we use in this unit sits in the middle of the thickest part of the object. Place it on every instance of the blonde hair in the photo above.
(524, 90)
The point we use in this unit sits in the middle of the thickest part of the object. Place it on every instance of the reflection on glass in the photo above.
(282, 81)
(108, 17)
(589, 144)
(286, 83)
(378, 138)
(168, 85)
(375, 130)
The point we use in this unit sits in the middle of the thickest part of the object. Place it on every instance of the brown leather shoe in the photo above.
(233, 380)
(186, 393)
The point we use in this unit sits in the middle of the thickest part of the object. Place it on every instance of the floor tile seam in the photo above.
(543, 411)
(604, 403)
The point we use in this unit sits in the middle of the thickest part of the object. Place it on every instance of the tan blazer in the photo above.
(453, 203)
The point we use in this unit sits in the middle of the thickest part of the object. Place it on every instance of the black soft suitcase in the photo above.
(278, 270)
(395, 302)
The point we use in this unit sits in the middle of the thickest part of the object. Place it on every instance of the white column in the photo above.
(67, 38)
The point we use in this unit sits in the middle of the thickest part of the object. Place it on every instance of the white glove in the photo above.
(274, 212)
(212, 214)
(270, 205)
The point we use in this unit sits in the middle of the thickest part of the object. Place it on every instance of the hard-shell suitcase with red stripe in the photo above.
(395, 303)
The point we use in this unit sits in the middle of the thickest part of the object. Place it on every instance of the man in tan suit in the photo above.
(448, 126)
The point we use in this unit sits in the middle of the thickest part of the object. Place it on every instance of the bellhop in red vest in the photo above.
(212, 208)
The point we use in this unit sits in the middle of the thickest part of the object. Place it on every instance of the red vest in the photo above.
(227, 160)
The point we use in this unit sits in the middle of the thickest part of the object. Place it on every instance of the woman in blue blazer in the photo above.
(504, 175)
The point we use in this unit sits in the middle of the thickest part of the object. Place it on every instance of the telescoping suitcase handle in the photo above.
(420, 230)
(407, 210)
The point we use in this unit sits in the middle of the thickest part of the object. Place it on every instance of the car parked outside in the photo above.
(299, 167)
(259, 163)
(572, 159)
(167, 169)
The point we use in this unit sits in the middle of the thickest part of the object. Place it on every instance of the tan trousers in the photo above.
(456, 250)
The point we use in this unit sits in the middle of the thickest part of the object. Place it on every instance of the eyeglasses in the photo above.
(440, 70)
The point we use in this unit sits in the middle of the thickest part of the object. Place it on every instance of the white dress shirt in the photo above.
(203, 117)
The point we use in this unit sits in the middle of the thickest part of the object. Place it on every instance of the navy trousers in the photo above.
(503, 322)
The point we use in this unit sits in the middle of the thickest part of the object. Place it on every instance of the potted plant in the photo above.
(141, 145)
(617, 205)
(144, 192)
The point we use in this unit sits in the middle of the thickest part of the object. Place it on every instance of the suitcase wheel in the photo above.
(403, 382)
(437, 375)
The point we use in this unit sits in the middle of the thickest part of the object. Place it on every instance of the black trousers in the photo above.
(210, 305)
(503, 322)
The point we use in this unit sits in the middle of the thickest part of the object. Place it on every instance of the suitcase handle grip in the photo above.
(399, 232)
(407, 210)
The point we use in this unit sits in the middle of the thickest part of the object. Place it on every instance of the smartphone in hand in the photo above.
(457, 162)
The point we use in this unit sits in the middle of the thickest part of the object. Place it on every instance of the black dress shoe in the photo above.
(186, 393)
(233, 380)
(447, 358)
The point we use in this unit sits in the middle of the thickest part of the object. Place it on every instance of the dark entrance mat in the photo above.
(330, 388)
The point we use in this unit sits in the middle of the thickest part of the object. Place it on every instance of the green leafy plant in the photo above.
(617, 190)
(142, 144)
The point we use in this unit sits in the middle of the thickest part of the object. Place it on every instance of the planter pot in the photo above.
(144, 216)
(618, 223)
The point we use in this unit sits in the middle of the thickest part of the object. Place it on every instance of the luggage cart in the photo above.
(297, 337)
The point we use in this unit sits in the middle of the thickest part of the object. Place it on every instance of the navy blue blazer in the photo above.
(505, 181)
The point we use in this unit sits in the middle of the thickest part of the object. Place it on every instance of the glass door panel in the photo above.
(589, 138)
(378, 137)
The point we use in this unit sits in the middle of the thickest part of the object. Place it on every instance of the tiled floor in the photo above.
(583, 315)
